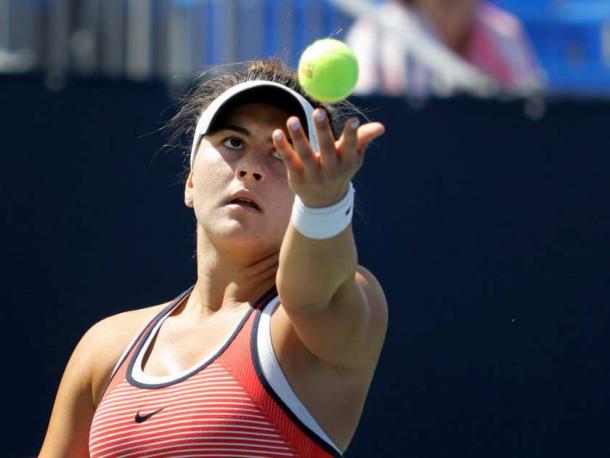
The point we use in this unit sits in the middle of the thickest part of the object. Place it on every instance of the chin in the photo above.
(235, 233)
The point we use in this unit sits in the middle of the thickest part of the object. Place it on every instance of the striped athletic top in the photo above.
(235, 403)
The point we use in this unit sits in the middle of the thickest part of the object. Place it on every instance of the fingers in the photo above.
(348, 142)
(326, 138)
(349, 149)
(370, 132)
(300, 145)
(355, 140)
(289, 156)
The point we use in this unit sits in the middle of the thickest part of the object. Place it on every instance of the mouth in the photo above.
(246, 203)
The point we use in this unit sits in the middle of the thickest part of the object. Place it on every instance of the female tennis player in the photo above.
(272, 351)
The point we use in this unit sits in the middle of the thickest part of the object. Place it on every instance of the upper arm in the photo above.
(68, 431)
(350, 330)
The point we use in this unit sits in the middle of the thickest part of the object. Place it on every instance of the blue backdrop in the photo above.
(489, 232)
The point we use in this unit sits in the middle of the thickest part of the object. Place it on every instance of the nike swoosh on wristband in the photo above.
(142, 418)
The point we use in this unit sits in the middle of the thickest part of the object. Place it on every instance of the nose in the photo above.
(250, 169)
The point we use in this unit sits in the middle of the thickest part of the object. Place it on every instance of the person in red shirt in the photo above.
(482, 35)
(272, 351)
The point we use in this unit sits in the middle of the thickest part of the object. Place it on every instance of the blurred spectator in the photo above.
(488, 38)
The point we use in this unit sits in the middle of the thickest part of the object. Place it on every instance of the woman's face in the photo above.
(239, 155)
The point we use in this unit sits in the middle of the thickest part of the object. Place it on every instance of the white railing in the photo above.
(173, 40)
(159, 39)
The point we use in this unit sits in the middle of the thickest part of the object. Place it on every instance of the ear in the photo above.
(189, 181)
(188, 191)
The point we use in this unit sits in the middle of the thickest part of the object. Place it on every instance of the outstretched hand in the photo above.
(321, 178)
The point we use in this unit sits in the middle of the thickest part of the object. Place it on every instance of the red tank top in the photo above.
(234, 403)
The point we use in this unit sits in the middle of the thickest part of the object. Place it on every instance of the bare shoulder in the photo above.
(120, 328)
(104, 343)
(85, 376)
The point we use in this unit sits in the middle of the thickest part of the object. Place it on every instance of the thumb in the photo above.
(367, 133)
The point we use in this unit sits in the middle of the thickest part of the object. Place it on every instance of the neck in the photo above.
(229, 278)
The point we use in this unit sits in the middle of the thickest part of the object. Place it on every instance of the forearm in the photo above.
(311, 271)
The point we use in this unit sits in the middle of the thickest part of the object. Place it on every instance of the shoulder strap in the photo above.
(118, 373)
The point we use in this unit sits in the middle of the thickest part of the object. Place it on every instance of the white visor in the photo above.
(210, 114)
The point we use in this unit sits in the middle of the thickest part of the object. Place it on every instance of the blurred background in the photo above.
(484, 210)
(168, 39)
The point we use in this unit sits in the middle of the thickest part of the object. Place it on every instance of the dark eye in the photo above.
(233, 143)
(277, 155)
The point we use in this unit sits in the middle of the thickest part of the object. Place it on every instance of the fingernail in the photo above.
(355, 123)
(277, 135)
(320, 116)
(294, 124)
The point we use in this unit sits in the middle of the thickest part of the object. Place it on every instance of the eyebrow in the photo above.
(240, 129)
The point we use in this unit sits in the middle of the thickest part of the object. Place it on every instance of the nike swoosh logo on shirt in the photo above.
(142, 418)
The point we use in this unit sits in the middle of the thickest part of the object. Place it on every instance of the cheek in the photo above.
(278, 168)
(279, 204)
(211, 172)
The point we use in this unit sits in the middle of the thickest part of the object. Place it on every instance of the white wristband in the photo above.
(323, 222)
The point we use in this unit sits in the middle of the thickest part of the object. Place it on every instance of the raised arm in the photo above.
(337, 308)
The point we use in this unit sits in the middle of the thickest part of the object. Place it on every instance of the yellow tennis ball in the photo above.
(328, 70)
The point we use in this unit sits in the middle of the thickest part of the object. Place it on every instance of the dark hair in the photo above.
(214, 82)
